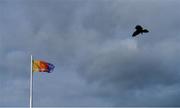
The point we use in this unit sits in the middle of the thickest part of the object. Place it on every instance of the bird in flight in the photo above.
(139, 30)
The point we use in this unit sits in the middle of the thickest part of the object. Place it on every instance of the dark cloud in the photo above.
(128, 69)
(97, 61)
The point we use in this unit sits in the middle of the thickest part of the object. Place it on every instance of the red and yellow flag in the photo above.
(42, 66)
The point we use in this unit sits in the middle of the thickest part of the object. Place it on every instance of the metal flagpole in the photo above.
(31, 84)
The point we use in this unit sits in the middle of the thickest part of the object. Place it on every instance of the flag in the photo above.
(42, 66)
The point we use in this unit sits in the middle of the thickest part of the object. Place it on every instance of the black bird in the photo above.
(139, 30)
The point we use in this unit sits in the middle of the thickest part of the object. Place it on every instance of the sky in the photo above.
(97, 61)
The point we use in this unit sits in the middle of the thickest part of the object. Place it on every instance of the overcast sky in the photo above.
(97, 62)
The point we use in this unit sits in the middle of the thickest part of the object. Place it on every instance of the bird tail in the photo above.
(145, 31)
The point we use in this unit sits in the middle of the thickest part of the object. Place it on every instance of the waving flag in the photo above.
(42, 66)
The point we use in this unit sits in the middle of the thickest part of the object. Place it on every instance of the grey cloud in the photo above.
(97, 62)
(128, 67)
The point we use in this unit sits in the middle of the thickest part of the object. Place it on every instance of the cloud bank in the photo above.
(97, 61)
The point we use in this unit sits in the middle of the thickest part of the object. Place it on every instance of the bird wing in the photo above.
(138, 27)
(135, 33)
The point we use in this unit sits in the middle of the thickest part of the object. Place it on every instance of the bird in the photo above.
(139, 30)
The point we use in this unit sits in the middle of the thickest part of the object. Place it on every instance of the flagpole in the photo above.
(31, 84)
